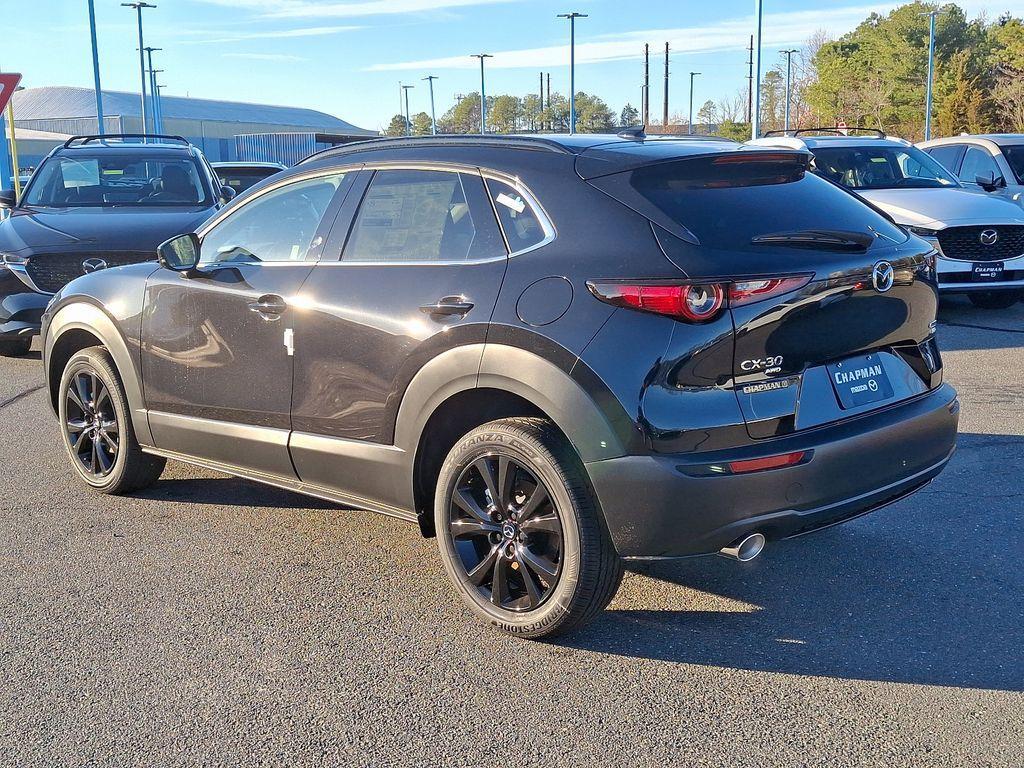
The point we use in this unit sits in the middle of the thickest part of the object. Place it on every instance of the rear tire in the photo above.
(520, 531)
(15, 347)
(96, 426)
(995, 299)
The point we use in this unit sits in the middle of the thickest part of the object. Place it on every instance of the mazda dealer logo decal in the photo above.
(93, 265)
(989, 237)
(882, 276)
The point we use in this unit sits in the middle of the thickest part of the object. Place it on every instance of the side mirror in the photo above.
(227, 194)
(180, 253)
(990, 183)
(8, 198)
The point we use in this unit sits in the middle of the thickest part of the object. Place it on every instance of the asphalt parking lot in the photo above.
(210, 620)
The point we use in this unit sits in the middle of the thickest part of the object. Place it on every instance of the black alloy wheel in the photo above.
(91, 426)
(507, 532)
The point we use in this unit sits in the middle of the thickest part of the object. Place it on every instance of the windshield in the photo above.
(1014, 155)
(870, 167)
(107, 180)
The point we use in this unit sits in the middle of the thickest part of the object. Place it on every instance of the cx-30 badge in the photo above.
(93, 265)
(882, 276)
(989, 237)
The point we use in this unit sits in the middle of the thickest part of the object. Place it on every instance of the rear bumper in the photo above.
(661, 506)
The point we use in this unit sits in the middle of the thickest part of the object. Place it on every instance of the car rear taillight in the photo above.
(692, 302)
(695, 303)
(750, 291)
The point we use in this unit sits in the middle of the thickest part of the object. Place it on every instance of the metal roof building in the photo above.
(210, 124)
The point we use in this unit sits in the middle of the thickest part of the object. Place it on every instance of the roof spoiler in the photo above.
(81, 140)
(835, 129)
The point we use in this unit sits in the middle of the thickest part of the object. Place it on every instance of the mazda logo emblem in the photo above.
(93, 265)
(989, 237)
(882, 276)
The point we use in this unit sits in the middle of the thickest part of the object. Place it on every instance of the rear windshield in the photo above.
(727, 205)
(109, 180)
(1014, 155)
(240, 179)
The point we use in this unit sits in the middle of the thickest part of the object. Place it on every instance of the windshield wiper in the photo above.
(823, 239)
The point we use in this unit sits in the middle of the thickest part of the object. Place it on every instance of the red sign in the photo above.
(8, 84)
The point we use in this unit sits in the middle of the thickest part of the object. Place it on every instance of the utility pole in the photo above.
(138, 6)
(95, 69)
(154, 113)
(750, 80)
(572, 65)
(433, 120)
(549, 100)
(788, 53)
(408, 123)
(931, 73)
(664, 117)
(755, 110)
(483, 97)
(689, 124)
(647, 84)
(540, 113)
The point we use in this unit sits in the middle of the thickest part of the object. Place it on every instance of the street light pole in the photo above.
(931, 73)
(755, 113)
(483, 96)
(788, 53)
(96, 68)
(572, 65)
(689, 124)
(433, 120)
(408, 122)
(154, 110)
(138, 6)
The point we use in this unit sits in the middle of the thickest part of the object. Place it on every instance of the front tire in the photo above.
(15, 347)
(96, 426)
(995, 299)
(520, 532)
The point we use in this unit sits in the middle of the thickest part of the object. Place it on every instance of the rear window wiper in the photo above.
(827, 239)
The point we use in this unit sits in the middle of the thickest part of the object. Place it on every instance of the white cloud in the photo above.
(263, 56)
(779, 29)
(234, 37)
(333, 9)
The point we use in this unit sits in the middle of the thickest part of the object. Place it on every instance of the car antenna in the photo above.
(635, 132)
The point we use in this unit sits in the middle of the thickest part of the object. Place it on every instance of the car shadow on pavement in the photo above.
(230, 491)
(929, 590)
(963, 326)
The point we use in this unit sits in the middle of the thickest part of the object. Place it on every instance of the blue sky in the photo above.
(347, 57)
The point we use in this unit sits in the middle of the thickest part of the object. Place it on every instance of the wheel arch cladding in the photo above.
(80, 325)
(471, 385)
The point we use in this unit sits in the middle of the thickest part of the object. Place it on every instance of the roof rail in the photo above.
(103, 137)
(831, 129)
(441, 140)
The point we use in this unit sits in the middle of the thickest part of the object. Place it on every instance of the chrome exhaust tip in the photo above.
(746, 549)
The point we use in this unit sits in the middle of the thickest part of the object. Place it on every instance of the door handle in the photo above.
(269, 307)
(449, 305)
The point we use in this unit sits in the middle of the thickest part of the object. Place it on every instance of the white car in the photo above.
(992, 162)
(979, 237)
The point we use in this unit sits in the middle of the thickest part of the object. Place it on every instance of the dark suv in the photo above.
(553, 353)
(95, 202)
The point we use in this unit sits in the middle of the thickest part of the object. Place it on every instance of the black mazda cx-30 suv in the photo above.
(554, 353)
(95, 202)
